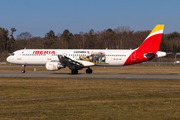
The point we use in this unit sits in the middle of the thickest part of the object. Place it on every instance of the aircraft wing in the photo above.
(66, 61)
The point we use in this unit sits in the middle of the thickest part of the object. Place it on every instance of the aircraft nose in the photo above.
(9, 59)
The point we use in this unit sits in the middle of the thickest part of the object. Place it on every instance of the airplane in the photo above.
(77, 59)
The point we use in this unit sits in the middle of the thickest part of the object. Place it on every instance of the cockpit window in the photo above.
(11, 54)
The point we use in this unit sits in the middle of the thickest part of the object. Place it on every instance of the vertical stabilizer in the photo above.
(148, 49)
(153, 40)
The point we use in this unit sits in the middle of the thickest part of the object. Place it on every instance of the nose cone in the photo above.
(9, 59)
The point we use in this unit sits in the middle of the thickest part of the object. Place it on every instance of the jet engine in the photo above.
(53, 66)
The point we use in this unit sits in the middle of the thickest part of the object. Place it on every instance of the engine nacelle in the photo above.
(53, 66)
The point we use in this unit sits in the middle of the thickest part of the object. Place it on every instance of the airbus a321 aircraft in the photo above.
(77, 59)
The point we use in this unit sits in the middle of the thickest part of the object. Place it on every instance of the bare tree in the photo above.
(24, 36)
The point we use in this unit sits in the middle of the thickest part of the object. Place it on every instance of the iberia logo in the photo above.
(43, 52)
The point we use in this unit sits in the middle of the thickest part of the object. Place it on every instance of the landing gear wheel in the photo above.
(74, 71)
(23, 71)
(89, 71)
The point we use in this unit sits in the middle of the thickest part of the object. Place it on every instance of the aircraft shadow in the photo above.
(68, 73)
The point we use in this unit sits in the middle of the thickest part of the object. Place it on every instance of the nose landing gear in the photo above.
(23, 69)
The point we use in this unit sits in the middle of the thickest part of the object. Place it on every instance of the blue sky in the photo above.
(40, 16)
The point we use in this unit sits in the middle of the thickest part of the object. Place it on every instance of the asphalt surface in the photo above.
(161, 76)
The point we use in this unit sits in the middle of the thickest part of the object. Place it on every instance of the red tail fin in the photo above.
(152, 42)
(148, 48)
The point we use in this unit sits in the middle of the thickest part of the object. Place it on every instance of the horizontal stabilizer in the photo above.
(149, 55)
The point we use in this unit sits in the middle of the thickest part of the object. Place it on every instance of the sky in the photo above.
(38, 17)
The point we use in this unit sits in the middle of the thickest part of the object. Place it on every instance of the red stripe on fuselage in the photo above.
(150, 45)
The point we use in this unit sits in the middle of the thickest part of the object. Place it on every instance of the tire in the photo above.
(74, 71)
(89, 71)
(23, 71)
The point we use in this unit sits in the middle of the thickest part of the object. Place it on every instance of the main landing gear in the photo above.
(23, 69)
(75, 71)
(89, 71)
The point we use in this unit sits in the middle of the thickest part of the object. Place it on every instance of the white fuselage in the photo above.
(42, 56)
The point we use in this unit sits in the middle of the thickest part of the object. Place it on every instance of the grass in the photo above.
(87, 99)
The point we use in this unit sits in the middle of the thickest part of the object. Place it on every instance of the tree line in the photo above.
(119, 38)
